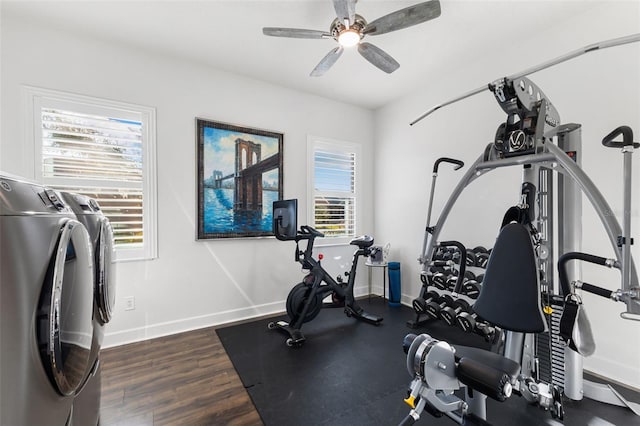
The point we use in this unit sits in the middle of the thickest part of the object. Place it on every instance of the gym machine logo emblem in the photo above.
(517, 140)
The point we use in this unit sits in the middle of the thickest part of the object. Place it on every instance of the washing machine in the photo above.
(86, 407)
(46, 305)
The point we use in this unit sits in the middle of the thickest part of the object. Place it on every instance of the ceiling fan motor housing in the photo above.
(338, 27)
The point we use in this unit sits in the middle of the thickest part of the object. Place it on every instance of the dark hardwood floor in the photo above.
(183, 379)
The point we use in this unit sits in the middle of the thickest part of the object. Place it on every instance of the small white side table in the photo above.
(382, 265)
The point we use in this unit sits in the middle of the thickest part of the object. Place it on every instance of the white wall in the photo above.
(601, 91)
(194, 284)
(191, 284)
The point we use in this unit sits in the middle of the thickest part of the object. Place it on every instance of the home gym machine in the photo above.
(546, 330)
(306, 298)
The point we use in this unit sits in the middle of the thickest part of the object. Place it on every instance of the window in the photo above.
(333, 183)
(102, 149)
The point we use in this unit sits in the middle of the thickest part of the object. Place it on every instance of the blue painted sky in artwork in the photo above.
(219, 151)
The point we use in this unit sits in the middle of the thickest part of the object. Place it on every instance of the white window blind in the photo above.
(100, 157)
(105, 153)
(334, 184)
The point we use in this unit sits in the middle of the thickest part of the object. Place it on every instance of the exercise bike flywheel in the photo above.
(296, 300)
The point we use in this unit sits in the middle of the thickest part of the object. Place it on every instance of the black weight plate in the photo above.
(471, 258)
(471, 289)
(439, 281)
(451, 283)
(482, 259)
(419, 305)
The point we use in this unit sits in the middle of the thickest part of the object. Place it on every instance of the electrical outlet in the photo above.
(129, 303)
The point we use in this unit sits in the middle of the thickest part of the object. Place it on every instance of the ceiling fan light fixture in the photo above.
(349, 38)
(348, 29)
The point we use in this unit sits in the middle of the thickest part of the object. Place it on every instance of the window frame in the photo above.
(313, 143)
(36, 98)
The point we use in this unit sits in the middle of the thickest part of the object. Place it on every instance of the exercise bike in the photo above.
(305, 300)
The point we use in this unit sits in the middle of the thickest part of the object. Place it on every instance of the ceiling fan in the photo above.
(349, 28)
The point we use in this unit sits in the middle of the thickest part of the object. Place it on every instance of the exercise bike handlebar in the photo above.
(306, 232)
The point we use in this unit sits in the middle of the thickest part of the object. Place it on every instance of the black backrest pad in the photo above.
(510, 293)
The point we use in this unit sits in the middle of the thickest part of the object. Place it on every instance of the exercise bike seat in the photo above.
(362, 241)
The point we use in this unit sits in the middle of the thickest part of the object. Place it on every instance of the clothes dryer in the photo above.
(86, 407)
(46, 301)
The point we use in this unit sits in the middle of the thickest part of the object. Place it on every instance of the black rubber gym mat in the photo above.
(352, 373)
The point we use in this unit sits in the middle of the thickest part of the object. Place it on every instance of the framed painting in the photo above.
(239, 177)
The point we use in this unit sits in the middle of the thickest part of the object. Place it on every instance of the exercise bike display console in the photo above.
(305, 300)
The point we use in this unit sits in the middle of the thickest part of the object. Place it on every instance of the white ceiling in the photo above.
(227, 35)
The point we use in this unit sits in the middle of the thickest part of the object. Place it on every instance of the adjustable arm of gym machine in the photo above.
(431, 236)
(573, 54)
(457, 163)
(618, 295)
(429, 229)
(596, 260)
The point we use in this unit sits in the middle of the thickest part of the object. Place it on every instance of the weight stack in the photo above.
(395, 286)
(550, 346)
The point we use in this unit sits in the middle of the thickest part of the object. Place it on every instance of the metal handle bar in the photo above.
(458, 163)
(573, 54)
(627, 138)
(563, 277)
(603, 292)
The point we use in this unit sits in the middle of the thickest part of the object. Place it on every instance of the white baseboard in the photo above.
(153, 331)
(625, 374)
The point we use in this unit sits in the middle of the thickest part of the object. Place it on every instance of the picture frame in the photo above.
(239, 177)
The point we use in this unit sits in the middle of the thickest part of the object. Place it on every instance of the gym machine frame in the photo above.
(526, 139)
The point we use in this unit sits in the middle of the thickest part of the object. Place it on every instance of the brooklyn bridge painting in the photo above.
(239, 177)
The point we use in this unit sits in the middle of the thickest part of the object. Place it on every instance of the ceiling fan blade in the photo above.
(327, 62)
(345, 9)
(378, 57)
(404, 18)
(294, 33)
